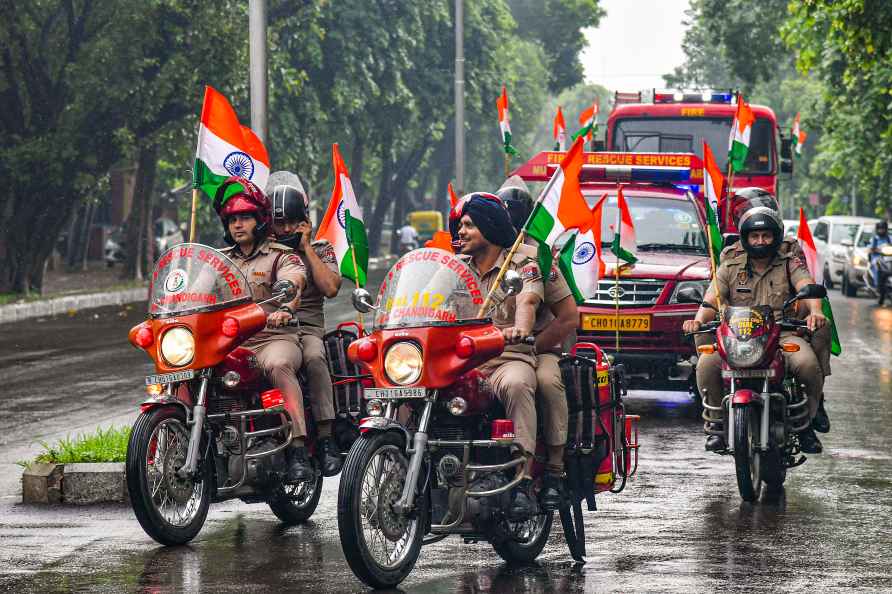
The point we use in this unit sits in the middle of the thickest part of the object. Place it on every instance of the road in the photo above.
(679, 525)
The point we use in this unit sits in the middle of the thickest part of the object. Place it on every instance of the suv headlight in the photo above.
(402, 363)
(700, 285)
(178, 346)
(743, 353)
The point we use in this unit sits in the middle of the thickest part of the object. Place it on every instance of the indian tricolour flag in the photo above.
(581, 262)
(559, 131)
(226, 148)
(807, 243)
(798, 135)
(342, 225)
(560, 207)
(505, 121)
(624, 246)
(712, 190)
(739, 139)
(589, 120)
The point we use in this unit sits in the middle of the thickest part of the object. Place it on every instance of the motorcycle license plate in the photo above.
(393, 393)
(169, 378)
(748, 373)
(609, 323)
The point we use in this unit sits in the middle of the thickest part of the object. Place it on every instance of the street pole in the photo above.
(258, 67)
(854, 198)
(459, 97)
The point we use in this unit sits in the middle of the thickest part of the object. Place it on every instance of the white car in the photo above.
(791, 226)
(857, 260)
(829, 233)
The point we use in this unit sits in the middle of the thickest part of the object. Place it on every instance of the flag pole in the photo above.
(507, 164)
(713, 266)
(616, 299)
(192, 221)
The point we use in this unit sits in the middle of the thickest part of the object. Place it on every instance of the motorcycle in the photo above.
(436, 455)
(764, 407)
(212, 428)
(881, 266)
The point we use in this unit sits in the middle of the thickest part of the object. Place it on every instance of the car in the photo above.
(791, 227)
(167, 234)
(829, 233)
(856, 259)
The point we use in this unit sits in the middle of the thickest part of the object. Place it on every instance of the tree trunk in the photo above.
(84, 244)
(384, 198)
(139, 213)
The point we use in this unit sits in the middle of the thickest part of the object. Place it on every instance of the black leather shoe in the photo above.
(715, 443)
(329, 459)
(821, 422)
(552, 493)
(523, 504)
(809, 442)
(299, 466)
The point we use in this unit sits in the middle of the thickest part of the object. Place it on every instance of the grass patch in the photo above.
(105, 445)
(10, 298)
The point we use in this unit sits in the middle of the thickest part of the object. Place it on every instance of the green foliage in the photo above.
(105, 445)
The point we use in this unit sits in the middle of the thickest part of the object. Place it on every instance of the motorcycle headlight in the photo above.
(743, 353)
(701, 285)
(887, 250)
(402, 363)
(859, 262)
(178, 346)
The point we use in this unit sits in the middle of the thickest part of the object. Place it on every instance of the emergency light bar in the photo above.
(621, 173)
(693, 96)
(674, 168)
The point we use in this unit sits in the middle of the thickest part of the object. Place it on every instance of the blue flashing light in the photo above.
(721, 98)
(692, 188)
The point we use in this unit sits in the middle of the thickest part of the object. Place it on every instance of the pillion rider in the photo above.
(292, 228)
(754, 272)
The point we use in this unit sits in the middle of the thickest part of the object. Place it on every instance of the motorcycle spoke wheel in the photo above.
(386, 533)
(176, 499)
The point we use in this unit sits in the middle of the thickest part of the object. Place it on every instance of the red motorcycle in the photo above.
(213, 428)
(764, 406)
(436, 454)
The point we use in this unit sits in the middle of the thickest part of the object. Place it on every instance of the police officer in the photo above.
(245, 213)
(485, 234)
(291, 226)
(755, 272)
(555, 331)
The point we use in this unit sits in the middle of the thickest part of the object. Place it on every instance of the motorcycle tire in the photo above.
(522, 553)
(143, 452)
(747, 460)
(847, 289)
(828, 282)
(294, 503)
(376, 456)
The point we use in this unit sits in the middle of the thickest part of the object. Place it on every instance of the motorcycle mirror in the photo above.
(284, 289)
(689, 295)
(511, 283)
(362, 300)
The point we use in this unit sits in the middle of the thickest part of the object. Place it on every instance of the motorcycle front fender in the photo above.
(164, 400)
(381, 424)
(744, 397)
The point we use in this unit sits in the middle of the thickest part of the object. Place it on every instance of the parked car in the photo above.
(167, 234)
(857, 259)
(829, 233)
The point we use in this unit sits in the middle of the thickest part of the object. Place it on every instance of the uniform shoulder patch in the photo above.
(553, 275)
(529, 271)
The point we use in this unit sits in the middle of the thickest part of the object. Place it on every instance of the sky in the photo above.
(635, 44)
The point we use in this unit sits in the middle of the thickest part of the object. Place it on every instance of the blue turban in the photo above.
(489, 215)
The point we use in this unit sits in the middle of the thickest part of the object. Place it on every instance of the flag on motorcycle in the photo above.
(453, 198)
(589, 120)
(581, 262)
(505, 122)
(807, 243)
(226, 148)
(561, 206)
(559, 131)
(712, 190)
(624, 246)
(739, 140)
(798, 135)
(343, 226)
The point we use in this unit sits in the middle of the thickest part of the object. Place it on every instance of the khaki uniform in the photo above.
(277, 349)
(739, 285)
(310, 314)
(550, 383)
(512, 374)
(820, 339)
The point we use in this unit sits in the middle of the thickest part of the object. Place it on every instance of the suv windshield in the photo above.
(865, 237)
(841, 232)
(686, 135)
(428, 287)
(191, 277)
(660, 224)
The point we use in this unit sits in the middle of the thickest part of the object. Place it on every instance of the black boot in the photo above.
(299, 466)
(809, 442)
(329, 458)
(551, 495)
(715, 443)
(821, 422)
(523, 503)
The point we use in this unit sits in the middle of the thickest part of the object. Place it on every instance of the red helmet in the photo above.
(237, 195)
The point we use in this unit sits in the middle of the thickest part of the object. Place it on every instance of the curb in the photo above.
(74, 484)
(51, 307)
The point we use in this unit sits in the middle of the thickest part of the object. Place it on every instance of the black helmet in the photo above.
(517, 199)
(882, 225)
(289, 204)
(745, 199)
(761, 218)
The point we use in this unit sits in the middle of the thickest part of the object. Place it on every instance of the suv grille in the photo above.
(632, 292)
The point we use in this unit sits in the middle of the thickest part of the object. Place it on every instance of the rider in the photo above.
(485, 235)
(879, 239)
(754, 272)
(245, 215)
(291, 226)
(408, 237)
(554, 329)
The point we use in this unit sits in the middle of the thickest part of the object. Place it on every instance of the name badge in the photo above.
(744, 290)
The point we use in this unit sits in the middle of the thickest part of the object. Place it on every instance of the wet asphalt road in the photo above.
(679, 525)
